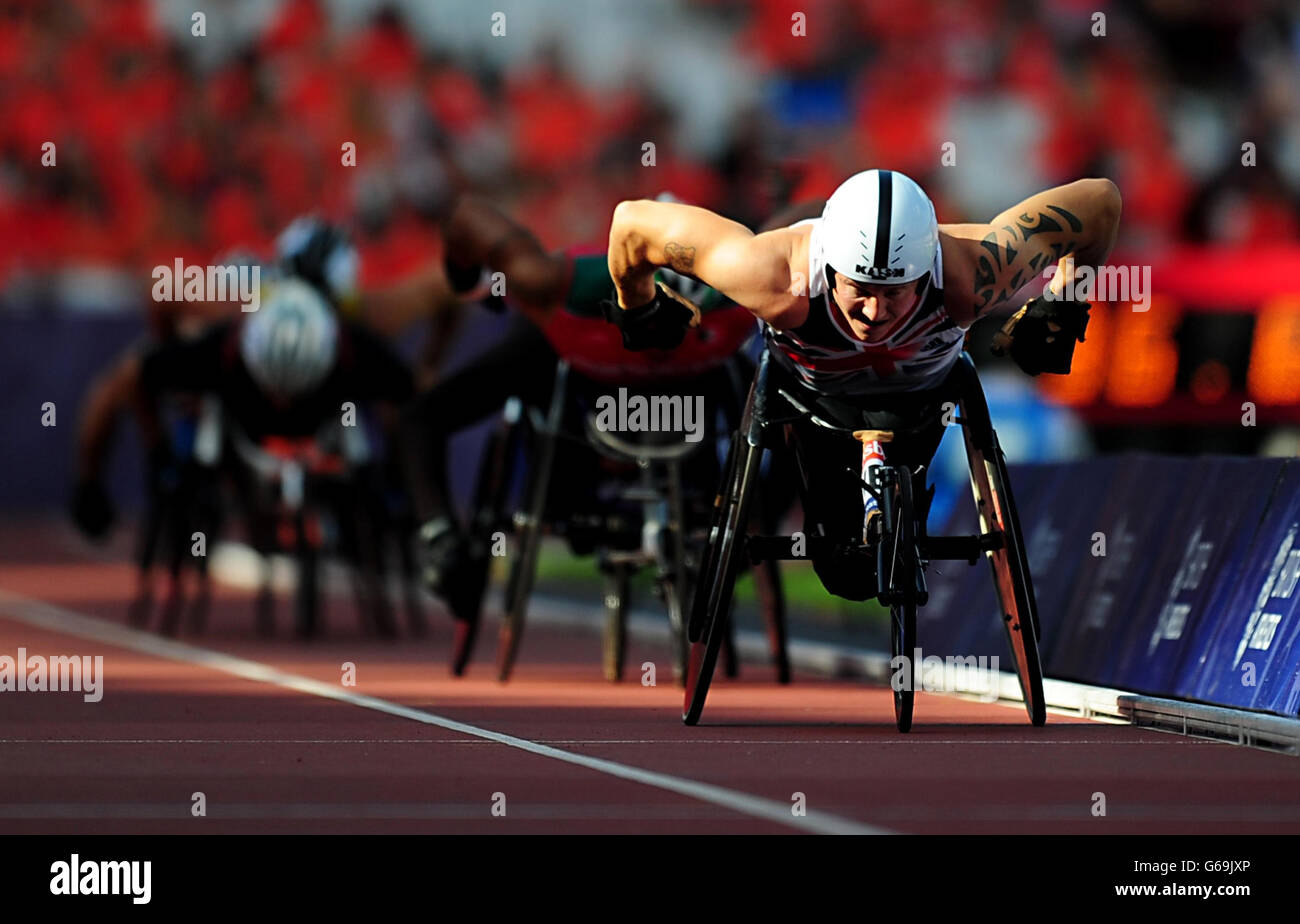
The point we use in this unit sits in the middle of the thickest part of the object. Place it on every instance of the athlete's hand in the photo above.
(659, 324)
(1041, 335)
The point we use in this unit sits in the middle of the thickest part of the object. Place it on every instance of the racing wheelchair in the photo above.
(307, 497)
(900, 550)
(624, 497)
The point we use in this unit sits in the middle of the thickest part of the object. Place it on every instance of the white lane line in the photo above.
(658, 742)
(913, 813)
(47, 616)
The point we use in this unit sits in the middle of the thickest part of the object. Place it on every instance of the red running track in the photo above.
(410, 749)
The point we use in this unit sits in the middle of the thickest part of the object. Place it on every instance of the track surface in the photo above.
(275, 742)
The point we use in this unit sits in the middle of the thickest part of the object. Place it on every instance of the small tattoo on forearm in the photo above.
(681, 259)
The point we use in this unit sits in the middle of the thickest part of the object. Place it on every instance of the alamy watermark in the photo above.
(76, 876)
(951, 674)
(212, 283)
(55, 674)
(624, 413)
(1130, 284)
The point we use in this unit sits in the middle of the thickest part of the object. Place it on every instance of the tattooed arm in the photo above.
(985, 265)
(753, 270)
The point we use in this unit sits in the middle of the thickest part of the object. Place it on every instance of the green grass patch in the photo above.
(559, 570)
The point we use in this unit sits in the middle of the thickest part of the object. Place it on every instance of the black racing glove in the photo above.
(91, 508)
(1041, 335)
(462, 278)
(659, 324)
(470, 281)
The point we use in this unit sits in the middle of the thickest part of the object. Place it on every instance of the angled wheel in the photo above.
(672, 591)
(465, 631)
(1010, 564)
(523, 567)
(307, 599)
(711, 606)
(491, 502)
(616, 604)
(519, 587)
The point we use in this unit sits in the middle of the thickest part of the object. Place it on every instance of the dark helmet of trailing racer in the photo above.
(290, 344)
(879, 227)
(702, 296)
(322, 254)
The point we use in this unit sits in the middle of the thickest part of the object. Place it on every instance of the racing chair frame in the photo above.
(901, 553)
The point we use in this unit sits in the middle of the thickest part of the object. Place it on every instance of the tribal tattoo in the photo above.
(681, 259)
(1002, 252)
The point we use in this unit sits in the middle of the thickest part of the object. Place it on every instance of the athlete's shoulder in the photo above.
(799, 248)
(960, 265)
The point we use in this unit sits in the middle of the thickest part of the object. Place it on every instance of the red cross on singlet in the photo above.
(881, 360)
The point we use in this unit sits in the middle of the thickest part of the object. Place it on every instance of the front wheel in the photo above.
(712, 603)
(902, 637)
(897, 567)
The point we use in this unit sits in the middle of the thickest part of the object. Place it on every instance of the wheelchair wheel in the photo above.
(519, 587)
(1010, 565)
(466, 630)
(491, 502)
(899, 560)
(307, 601)
(711, 606)
(616, 606)
(673, 593)
(523, 567)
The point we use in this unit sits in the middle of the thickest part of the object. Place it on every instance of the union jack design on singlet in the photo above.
(825, 355)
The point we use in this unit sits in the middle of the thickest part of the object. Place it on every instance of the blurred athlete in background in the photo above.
(170, 408)
(293, 378)
(180, 482)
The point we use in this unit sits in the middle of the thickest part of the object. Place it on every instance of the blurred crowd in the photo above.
(174, 145)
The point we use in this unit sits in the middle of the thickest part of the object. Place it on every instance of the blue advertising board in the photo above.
(1246, 653)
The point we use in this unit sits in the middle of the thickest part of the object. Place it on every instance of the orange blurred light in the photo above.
(1274, 373)
(1144, 361)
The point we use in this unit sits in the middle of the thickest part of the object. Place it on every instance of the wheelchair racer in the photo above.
(865, 311)
(558, 296)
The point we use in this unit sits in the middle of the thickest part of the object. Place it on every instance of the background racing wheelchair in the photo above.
(628, 498)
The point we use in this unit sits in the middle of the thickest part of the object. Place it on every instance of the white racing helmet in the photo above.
(290, 344)
(879, 227)
(323, 254)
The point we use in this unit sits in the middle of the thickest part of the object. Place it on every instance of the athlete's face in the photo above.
(874, 311)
